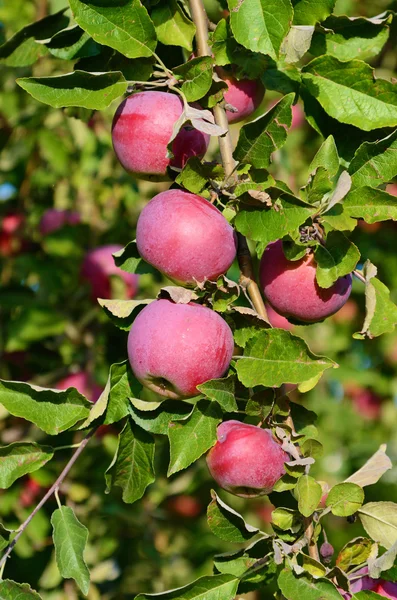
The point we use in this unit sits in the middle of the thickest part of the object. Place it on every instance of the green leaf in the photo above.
(308, 493)
(22, 49)
(21, 458)
(275, 357)
(337, 258)
(159, 420)
(10, 590)
(308, 13)
(193, 176)
(52, 411)
(381, 312)
(123, 312)
(295, 587)
(286, 519)
(72, 43)
(297, 43)
(172, 25)
(123, 386)
(347, 38)
(33, 324)
(4, 537)
(373, 469)
(260, 25)
(124, 26)
(226, 523)
(238, 563)
(129, 259)
(197, 77)
(132, 467)
(327, 157)
(260, 138)
(379, 520)
(76, 89)
(370, 204)
(354, 553)
(374, 162)
(221, 391)
(349, 92)
(282, 78)
(345, 499)
(215, 587)
(193, 436)
(70, 538)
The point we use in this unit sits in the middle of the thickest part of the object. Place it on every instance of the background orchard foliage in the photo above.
(57, 153)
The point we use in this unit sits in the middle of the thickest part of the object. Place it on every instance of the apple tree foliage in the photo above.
(323, 187)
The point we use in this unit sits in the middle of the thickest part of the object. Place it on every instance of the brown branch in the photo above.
(53, 489)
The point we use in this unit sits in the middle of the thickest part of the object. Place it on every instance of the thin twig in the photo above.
(309, 535)
(53, 490)
(359, 276)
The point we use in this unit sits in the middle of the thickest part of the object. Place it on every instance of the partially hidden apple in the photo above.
(173, 348)
(277, 320)
(245, 95)
(98, 267)
(54, 219)
(246, 460)
(83, 384)
(141, 130)
(292, 290)
(185, 237)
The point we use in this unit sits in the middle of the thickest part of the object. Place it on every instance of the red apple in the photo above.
(11, 242)
(361, 581)
(298, 116)
(141, 131)
(392, 189)
(54, 219)
(83, 384)
(246, 460)
(365, 401)
(98, 267)
(277, 320)
(185, 237)
(173, 348)
(31, 489)
(387, 589)
(12, 222)
(291, 287)
(184, 506)
(243, 94)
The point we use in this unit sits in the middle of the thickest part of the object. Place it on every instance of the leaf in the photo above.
(381, 312)
(349, 92)
(342, 188)
(379, 520)
(296, 588)
(308, 493)
(88, 90)
(193, 436)
(159, 420)
(226, 523)
(197, 77)
(374, 162)
(260, 138)
(326, 157)
(173, 28)
(123, 386)
(373, 469)
(10, 590)
(124, 26)
(33, 324)
(347, 38)
(354, 553)
(345, 499)
(21, 458)
(52, 411)
(339, 257)
(4, 537)
(286, 518)
(132, 467)
(239, 563)
(72, 43)
(70, 539)
(297, 42)
(370, 204)
(307, 13)
(313, 567)
(215, 587)
(275, 357)
(221, 391)
(260, 25)
(382, 563)
(22, 49)
(123, 312)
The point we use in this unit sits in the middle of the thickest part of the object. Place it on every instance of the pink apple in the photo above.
(246, 460)
(98, 267)
(243, 94)
(387, 589)
(12, 222)
(298, 116)
(185, 506)
(11, 242)
(392, 189)
(185, 237)
(83, 384)
(54, 219)
(291, 287)
(173, 348)
(277, 320)
(141, 131)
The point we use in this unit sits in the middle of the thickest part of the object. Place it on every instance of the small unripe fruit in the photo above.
(185, 237)
(243, 94)
(83, 384)
(327, 551)
(54, 219)
(141, 130)
(98, 267)
(246, 460)
(173, 348)
(292, 290)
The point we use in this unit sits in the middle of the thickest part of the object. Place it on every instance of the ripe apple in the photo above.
(246, 460)
(387, 589)
(365, 401)
(291, 287)
(243, 94)
(31, 489)
(54, 219)
(173, 348)
(184, 506)
(298, 116)
(277, 320)
(185, 237)
(11, 242)
(83, 384)
(141, 131)
(98, 267)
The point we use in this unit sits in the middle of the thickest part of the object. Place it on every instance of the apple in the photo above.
(141, 130)
(11, 242)
(243, 94)
(392, 189)
(387, 589)
(366, 403)
(30, 490)
(173, 348)
(185, 237)
(184, 506)
(298, 116)
(291, 288)
(98, 266)
(246, 460)
(277, 320)
(83, 384)
(54, 219)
